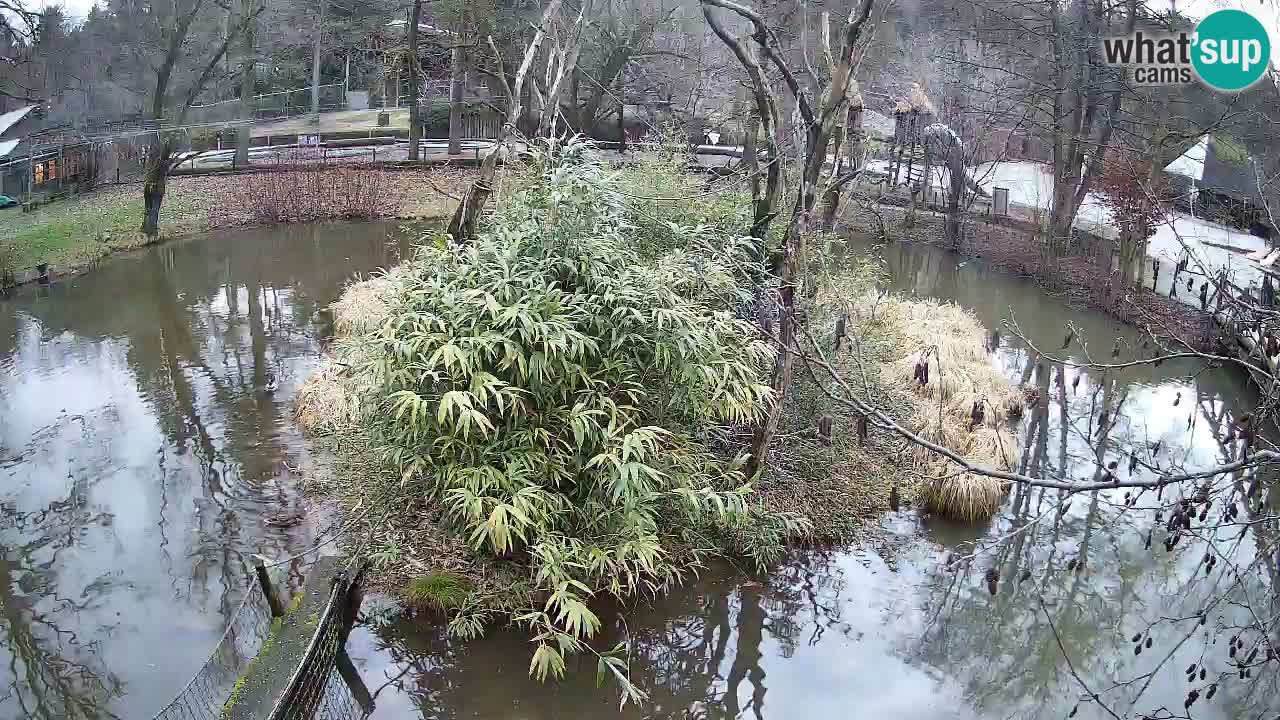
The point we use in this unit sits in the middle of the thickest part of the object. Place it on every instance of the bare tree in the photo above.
(818, 123)
(462, 225)
(764, 116)
(178, 67)
(19, 31)
(317, 48)
(562, 62)
(457, 86)
(248, 77)
(415, 81)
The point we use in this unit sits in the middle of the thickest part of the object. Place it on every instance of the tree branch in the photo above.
(768, 42)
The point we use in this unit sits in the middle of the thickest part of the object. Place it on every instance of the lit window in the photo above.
(39, 173)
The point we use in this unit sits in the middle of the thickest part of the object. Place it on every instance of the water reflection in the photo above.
(1081, 584)
(811, 640)
(912, 629)
(145, 448)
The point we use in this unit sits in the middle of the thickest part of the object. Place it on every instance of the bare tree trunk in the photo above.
(315, 65)
(155, 176)
(457, 81)
(831, 196)
(955, 194)
(462, 226)
(751, 157)
(247, 84)
(415, 123)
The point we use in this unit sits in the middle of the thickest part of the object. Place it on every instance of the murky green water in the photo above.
(888, 631)
(147, 449)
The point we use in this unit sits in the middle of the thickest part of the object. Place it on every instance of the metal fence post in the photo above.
(268, 590)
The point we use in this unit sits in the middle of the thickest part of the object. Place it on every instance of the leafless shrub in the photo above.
(298, 189)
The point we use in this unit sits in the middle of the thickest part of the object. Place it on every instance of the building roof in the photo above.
(7, 146)
(1190, 164)
(12, 117)
(1219, 165)
(1231, 172)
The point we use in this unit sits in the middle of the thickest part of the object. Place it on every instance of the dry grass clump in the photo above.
(964, 403)
(326, 402)
(950, 339)
(329, 400)
(364, 305)
(965, 497)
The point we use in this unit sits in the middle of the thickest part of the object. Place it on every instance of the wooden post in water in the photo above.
(269, 590)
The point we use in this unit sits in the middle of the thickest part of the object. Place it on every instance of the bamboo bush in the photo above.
(551, 390)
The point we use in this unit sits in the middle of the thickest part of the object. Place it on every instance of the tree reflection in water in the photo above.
(699, 653)
(49, 672)
(145, 435)
(1086, 578)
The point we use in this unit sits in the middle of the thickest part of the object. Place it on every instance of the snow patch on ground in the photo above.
(1202, 239)
(1212, 247)
(1030, 184)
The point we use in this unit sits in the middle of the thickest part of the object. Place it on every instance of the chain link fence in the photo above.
(274, 105)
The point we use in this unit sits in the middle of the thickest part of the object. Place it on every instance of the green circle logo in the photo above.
(1232, 50)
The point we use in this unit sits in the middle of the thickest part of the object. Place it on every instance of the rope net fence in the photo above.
(317, 688)
(203, 698)
(339, 703)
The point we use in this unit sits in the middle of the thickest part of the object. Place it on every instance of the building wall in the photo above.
(51, 170)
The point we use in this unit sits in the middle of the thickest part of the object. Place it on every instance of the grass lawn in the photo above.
(78, 231)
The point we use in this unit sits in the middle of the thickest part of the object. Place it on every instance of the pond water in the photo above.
(147, 450)
(887, 631)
